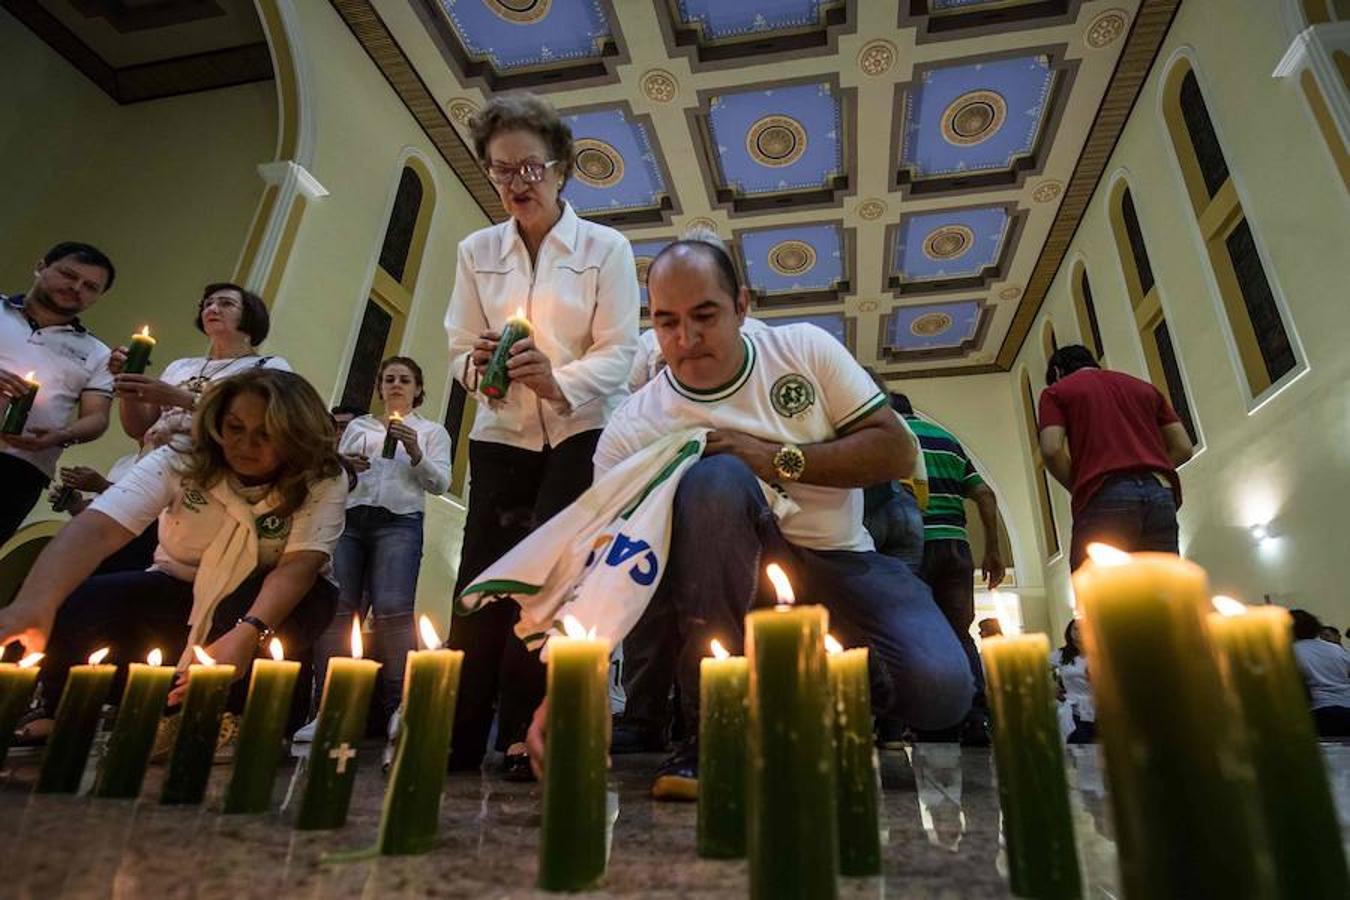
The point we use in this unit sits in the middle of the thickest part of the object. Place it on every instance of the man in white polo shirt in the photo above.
(40, 332)
(788, 406)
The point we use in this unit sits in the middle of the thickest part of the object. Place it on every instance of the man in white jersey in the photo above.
(791, 407)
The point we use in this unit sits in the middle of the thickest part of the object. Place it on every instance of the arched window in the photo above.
(1164, 368)
(391, 294)
(1086, 310)
(1049, 343)
(1261, 332)
(1039, 475)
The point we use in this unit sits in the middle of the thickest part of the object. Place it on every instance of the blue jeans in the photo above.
(897, 529)
(1131, 511)
(376, 563)
(723, 535)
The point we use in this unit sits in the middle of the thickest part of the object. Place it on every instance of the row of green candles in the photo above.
(412, 800)
(1217, 783)
(16, 412)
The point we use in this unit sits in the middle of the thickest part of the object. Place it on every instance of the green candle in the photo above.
(496, 380)
(76, 721)
(859, 777)
(412, 802)
(723, 710)
(194, 750)
(133, 734)
(1032, 788)
(262, 733)
(792, 820)
(16, 414)
(342, 723)
(16, 694)
(390, 442)
(138, 352)
(572, 845)
(1183, 788)
(1257, 659)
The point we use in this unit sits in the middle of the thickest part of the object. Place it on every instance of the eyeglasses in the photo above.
(530, 171)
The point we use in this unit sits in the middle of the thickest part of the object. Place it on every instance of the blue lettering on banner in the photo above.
(624, 549)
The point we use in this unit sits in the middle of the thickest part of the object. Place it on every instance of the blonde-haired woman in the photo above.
(248, 521)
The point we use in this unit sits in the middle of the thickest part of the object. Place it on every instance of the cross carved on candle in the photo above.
(342, 752)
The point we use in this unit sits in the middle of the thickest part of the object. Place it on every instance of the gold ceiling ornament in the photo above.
(867, 306)
(948, 242)
(701, 222)
(974, 118)
(643, 264)
(876, 57)
(1047, 191)
(930, 324)
(519, 12)
(792, 257)
(660, 86)
(776, 141)
(462, 112)
(1011, 292)
(598, 164)
(871, 209)
(1106, 28)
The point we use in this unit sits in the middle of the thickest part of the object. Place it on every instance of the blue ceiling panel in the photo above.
(777, 140)
(643, 254)
(831, 322)
(517, 34)
(729, 19)
(616, 167)
(949, 243)
(933, 326)
(793, 259)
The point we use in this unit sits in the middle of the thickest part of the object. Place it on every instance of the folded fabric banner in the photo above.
(601, 559)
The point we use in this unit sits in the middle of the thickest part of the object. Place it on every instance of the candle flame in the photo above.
(202, 656)
(1227, 606)
(1106, 555)
(832, 646)
(356, 637)
(276, 650)
(430, 638)
(154, 658)
(395, 417)
(781, 584)
(29, 377)
(31, 660)
(718, 651)
(99, 655)
(145, 331)
(520, 312)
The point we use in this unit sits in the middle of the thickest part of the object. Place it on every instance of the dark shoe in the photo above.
(628, 738)
(516, 765)
(677, 777)
(890, 734)
(975, 730)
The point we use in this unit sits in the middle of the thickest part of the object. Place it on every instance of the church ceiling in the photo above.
(905, 173)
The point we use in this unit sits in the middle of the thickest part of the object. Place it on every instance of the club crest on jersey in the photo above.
(792, 395)
(271, 526)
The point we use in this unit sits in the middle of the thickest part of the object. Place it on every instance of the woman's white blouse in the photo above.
(396, 484)
(1077, 688)
(581, 296)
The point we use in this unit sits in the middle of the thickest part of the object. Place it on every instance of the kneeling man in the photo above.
(788, 406)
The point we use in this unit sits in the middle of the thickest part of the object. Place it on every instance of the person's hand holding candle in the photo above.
(145, 389)
(235, 647)
(13, 385)
(406, 435)
(530, 368)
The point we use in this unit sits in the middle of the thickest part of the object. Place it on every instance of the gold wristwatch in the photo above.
(789, 462)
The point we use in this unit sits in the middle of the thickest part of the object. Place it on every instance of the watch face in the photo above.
(790, 462)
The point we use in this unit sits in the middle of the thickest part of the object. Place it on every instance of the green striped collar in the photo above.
(712, 395)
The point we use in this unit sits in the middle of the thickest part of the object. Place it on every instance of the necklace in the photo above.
(197, 383)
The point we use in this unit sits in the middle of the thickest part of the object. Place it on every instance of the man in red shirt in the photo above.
(1115, 442)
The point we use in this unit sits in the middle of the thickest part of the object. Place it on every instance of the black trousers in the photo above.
(949, 571)
(512, 491)
(135, 612)
(21, 486)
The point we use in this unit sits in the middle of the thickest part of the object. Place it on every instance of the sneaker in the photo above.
(305, 734)
(677, 777)
(391, 740)
(890, 734)
(227, 741)
(975, 730)
(166, 735)
(630, 738)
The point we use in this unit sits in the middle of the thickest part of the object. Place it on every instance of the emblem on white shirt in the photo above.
(792, 395)
(194, 499)
(272, 527)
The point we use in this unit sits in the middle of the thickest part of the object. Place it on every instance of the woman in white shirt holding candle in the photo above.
(529, 451)
(381, 549)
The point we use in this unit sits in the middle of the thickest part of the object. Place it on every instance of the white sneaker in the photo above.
(305, 734)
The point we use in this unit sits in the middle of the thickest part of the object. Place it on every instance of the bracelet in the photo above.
(263, 631)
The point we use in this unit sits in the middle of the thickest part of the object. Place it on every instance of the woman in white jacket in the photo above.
(530, 451)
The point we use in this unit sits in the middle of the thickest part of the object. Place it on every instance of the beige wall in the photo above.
(1286, 460)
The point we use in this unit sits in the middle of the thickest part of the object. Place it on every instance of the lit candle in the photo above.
(342, 723)
(495, 377)
(138, 353)
(1032, 788)
(572, 845)
(412, 802)
(391, 442)
(1183, 789)
(194, 750)
(859, 776)
(723, 711)
(76, 721)
(133, 734)
(16, 414)
(1256, 655)
(262, 733)
(16, 694)
(792, 819)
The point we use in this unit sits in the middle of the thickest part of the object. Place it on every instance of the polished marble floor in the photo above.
(941, 816)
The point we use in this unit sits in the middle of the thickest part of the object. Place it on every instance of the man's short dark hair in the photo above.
(1306, 625)
(727, 277)
(900, 403)
(84, 253)
(1067, 359)
(254, 319)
